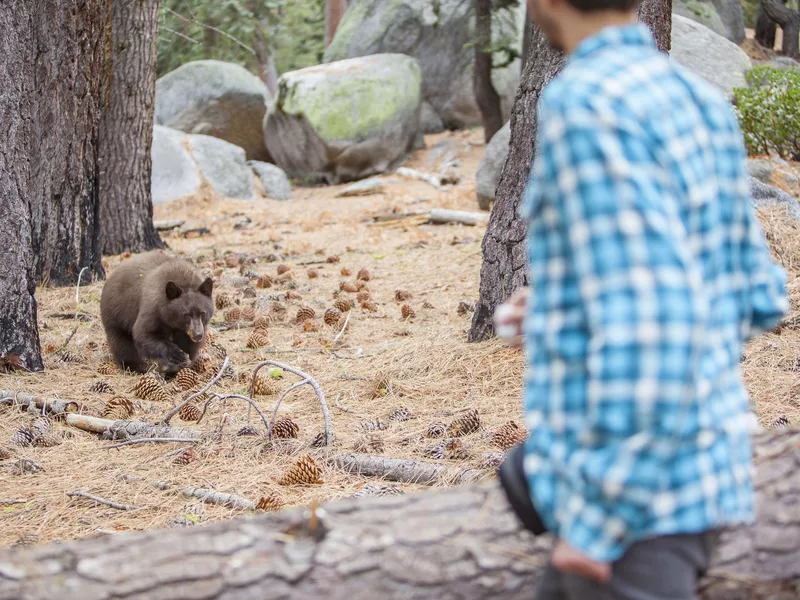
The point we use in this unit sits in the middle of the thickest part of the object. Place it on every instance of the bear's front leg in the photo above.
(155, 346)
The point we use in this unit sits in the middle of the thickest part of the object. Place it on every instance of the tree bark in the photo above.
(766, 28)
(504, 259)
(126, 134)
(267, 70)
(486, 96)
(51, 77)
(334, 11)
(526, 37)
(462, 543)
(788, 20)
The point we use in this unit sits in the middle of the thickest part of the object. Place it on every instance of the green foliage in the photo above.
(291, 30)
(750, 10)
(769, 111)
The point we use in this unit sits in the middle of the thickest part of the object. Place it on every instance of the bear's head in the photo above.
(189, 309)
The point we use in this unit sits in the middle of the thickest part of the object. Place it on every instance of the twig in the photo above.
(253, 404)
(212, 28)
(179, 34)
(419, 176)
(10, 501)
(148, 440)
(341, 333)
(180, 450)
(99, 500)
(207, 387)
(278, 403)
(306, 263)
(78, 287)
(63, 346)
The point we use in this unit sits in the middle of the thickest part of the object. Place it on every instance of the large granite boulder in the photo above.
(716, 59)
(723, 17)
(215, 98)
(491, 166)
(223, 166)
(345, 120)
(175, 174)
(440, 40)
(766, 195)
(274, 181)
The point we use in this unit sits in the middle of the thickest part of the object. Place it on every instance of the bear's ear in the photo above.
(173, 291)
(206, 287)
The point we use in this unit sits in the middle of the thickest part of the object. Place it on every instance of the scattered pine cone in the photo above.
(434, 451)
(149, 388)
(249, 313)
(345, 272)
(455, 450)
(508, 435)
(41, 425)
(186, 379)
(333, 259)
(233, 315)
(362, 297)
(283, 269)
(47, 440)
(304, 471)
(118, 409)
(375, 490)
(290, 295)
(781, 422)
(270, 503)
(319, 440)
(70, 357)
(247, 430)
(369, 444)
(232, 261)
(22, 437)
(265, 386)
(312, 273)
(101, 387)
(184, 458)
(261, 322)
(5, 453)
(258, 339)
(427, 305)
(401, 414)
(492, 460)
(304, 313)
(370, 306)
(223, 301)
(363, 275)
(50, 348)
(108, 368)
(466, 424)
(27, 539)
(285, 428)
(343, 305)
(346, 286)
(401, 295)
(310, 326)
(264, 282)
(216, 351)
(407, 312)
(332, 316)
(465, 307)
(436, 430)
(190, 413)
(372, 425)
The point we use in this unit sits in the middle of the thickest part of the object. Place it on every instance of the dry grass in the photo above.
(381, 362)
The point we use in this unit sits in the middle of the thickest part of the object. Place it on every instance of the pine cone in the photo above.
(118, 409)
(264, 282)
(312, 273)
(290, 295)
(345, 272)
(304, 313)
(201, 364)
(402, 295)
(492, 460)
(70, 357)
(231, 261)
(427, 305)
(101, 387)
(780, 422)
(283, 269)
(249, 313)
(434, 451)
(233, 315)
(370, 306)
(22, 437)
(455, 450)
(261, 322)
(369, 444)
(332, 316)
(304, 471)
(223, 301)
(372, 425)
(186, 379)
(27, 539)
(184, 458)
(343, 305)
(149, 388)
(436, 430)
(468, 423)
(508, 435)
(401, 414)
(108, 368)
(465, 307)
(47, 440)
(361, 285)
(41, 425)
(310, 326)
(270, 503)
(5, 453)
(363, 275)
(217, 351)
(265, 386)
(407, 312)
(376, 490)
(247, 430)
(285, 428)
(362, 297)
(258, 339)
(333, 259)
(190, 413)
(319, 440)
(346, 286)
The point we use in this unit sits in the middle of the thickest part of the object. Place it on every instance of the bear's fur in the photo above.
(156, 307)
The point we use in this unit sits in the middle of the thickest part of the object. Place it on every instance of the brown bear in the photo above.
(156, 307)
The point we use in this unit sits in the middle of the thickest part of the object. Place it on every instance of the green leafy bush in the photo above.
(769, 111)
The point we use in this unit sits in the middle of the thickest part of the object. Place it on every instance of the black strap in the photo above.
(515, 485)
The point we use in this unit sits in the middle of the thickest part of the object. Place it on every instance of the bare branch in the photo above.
(99, 500)
(344, 327)
(207, 387)
(155, 440)
(253, 404)
(179, 34)
(194, 21)
(278, 403)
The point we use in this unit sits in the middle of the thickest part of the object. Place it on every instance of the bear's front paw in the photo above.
(175, 362)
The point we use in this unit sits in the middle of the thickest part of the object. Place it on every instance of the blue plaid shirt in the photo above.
(648, 271)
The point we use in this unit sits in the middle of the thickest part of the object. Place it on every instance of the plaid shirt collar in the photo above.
(634, 34)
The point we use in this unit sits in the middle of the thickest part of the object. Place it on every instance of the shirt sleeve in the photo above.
(644, 305)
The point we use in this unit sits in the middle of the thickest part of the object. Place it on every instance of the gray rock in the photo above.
(273, 179)
(766, 195)
(783, 63)
(215, 98)
(175, 175)
(223, 166)
(723, 17)
(429, 119)
(345, 120)
(440, 40)
(732, 14)
(761, 169)
(491, 166)
(717, 60)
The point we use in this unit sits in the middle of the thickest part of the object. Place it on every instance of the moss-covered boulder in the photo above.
(723, 17)
(440, 39)
(345, 120)
(215, 98)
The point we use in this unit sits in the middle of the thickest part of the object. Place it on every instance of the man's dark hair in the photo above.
(598, 5)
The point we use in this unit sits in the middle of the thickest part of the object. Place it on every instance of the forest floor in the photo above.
(382, 362)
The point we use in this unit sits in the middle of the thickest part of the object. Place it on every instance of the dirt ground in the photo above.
(380, 363)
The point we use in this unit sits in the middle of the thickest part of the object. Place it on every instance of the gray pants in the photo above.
(663, 568)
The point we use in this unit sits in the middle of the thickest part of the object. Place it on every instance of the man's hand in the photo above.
(509, 316)
(568, 560)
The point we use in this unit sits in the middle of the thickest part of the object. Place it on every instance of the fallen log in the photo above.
(443, 216)
(37, 404)
(128, 430)
(461, 543)
(405, 471)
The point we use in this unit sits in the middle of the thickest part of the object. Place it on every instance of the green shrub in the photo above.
(769, 111)
(750, 10)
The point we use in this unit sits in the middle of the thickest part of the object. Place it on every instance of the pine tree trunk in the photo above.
(334, 11)
(126, 134)
(486, 96)
(504, 258)
(461, 543)
(788, 20)
(766, 28)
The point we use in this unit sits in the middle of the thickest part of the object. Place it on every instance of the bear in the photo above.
(155, 307)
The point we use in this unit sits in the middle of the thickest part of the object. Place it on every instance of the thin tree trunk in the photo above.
(334, 11)
(788, 20)
(766, 28)
(504, 259)
(486, 96)
(51, 77)
(526, 37)
(462, 543)
(126, 208)
(267, 70)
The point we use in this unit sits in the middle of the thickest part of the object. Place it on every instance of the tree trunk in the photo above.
(788, 20)
(334, 11)
(486, 96)
(126, 134)
(51, 77)
(462, 543)
(766, 28)
(267, 70)
(504, 259)
(526, 37)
